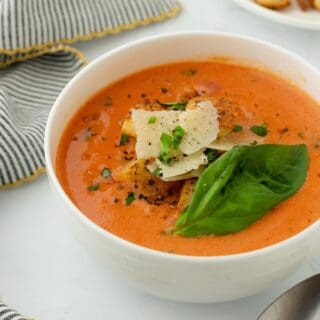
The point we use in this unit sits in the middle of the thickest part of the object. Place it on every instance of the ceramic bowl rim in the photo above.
(108, 236)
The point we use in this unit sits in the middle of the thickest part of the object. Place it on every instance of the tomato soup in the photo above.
(91, 150)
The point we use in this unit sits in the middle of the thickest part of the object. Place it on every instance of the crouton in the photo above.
(316, 4)
(186, 194)
(228, 112)
(274, 4)
(128, 128)
(305, 4)
(137, 177)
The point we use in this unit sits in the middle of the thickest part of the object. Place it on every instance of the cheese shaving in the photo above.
(183, 165)
(200, 125)
(148, 135)
(234, 139)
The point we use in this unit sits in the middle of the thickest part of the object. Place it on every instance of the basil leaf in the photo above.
(94, 187)
(152, 120)
(105, 172)
(242, 186)
(124, 139)
(173, 105)
(212, 155)
(165, 147)
(177, 136)
(130, 198)
(157, 172)
(237, 128)
(260, 131)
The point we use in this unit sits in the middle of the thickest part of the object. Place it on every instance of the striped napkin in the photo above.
(35, 33)
(36, 63)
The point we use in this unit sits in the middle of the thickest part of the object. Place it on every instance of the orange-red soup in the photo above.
(91, 142)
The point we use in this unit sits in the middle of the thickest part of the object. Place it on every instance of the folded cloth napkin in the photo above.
(35, 64)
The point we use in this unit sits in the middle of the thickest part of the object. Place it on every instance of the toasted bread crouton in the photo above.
(305, 4)
(136, 176)
(274, 4)
(186, 194)
(228, 112)
(128, 128)
(316, 4)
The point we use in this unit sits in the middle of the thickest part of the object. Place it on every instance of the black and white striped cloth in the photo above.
(35, 64)
(7, 313)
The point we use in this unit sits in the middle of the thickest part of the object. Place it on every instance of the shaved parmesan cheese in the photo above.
(222, 144)
(148, 135)
(192, 174)
(183, 165)
(201, 127)
(234, 139)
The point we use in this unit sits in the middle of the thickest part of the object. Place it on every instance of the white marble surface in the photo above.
(44, 272)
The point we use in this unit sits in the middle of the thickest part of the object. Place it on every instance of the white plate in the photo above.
(292, 15)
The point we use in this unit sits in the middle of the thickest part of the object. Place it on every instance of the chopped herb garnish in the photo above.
(108, 101)
(152, 120)
(124, 139)
(177, 136)
(189, 72)
(211, 154)
(129, 199)
(261, 131)
(176, 106)
(157, 172)
(169, 143)
(165, 147)
(237, 128)
(94, 187)
(253, 143)
(105, 172)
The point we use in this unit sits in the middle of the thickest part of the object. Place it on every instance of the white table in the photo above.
(47, 275)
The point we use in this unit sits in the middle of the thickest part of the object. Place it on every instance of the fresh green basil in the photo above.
(260, 131)
(124, 139)
(94, 187)
(169, 143)
(177, 136)
(165, 147)
(237, 128)
(106, 172)
(212, 155)
(176, 106)
(129, 199)
(242, 186)
(152, 120)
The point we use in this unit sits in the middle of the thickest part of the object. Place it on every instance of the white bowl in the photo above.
(177, 277)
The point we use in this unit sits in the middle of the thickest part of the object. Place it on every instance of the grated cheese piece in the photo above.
(148, 135)
(183, 165)
(234, 139)
(189, 175)
(201, 127)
